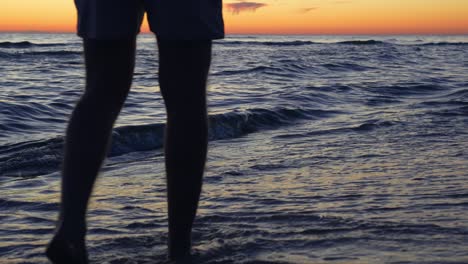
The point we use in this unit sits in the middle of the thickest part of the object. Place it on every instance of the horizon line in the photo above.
(266, 34)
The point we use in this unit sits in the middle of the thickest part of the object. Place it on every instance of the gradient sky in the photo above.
(278, 16)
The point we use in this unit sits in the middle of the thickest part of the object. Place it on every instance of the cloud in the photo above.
(307, 10)
(236, 8)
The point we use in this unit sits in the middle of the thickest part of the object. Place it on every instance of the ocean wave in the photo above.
(453, 112)
(6, 55)
(27, 44)
(58, 53)
(445, 43)
(345, 66)
(48, 53)
(44, 156)
(53, 53)
(235, 124)
(367, 126)
(461, 94)
(409, 89)
(268, 43)
(284, 68)
(319, 224)
(301, 42)
(25, 205)
(375, 124)
(362, 42)
(346, 42)
(22, 116)
(257, 69)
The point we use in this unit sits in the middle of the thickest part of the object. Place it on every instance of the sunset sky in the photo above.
(278, 16)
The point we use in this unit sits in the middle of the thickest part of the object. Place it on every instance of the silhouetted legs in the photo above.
(183, 73)
(183, 70)
(109, 70)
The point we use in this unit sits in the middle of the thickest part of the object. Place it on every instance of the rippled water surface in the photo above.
(323, 149)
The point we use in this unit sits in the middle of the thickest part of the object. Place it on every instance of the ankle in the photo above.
(179, 251)
(62, 250)
(73, 232)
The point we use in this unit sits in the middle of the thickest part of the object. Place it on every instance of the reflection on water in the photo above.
(323, 150)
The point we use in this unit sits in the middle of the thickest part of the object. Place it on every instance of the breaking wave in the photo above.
(44, 156)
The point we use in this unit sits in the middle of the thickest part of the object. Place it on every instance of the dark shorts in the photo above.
(168, 19)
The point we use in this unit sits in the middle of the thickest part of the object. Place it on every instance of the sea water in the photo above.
(323, 149)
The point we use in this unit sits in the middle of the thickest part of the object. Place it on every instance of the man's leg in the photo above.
(109, 71)
(183, 70)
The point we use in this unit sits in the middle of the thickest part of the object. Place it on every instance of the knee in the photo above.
(186, 110)
(103, 102)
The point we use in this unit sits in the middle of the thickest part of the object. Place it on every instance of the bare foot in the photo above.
(62, 251)
(181, 260)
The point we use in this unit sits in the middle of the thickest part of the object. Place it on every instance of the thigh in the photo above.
(109, 19)
(185, 19)
(183, 71)
(109, 68)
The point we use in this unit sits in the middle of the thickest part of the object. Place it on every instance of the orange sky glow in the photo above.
(277, 16)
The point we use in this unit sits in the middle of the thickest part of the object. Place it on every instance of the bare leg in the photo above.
(183, 70)
(109, 71)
